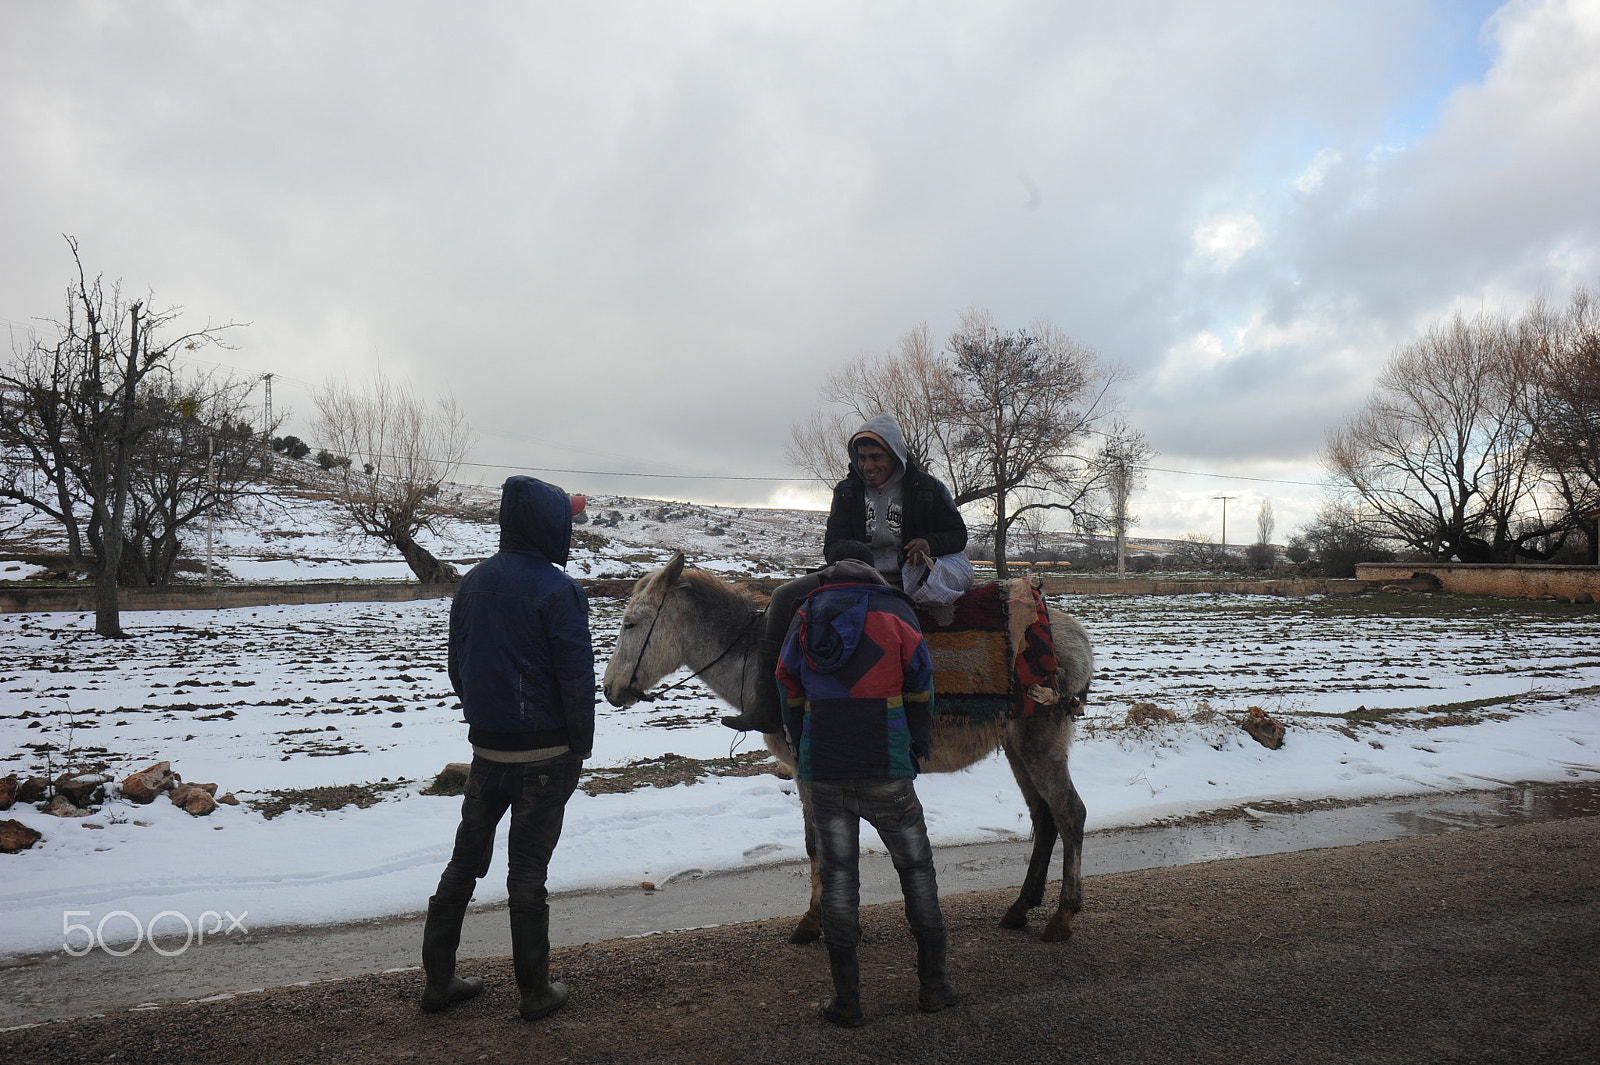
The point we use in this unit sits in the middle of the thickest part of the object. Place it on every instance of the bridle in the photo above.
(647, 697)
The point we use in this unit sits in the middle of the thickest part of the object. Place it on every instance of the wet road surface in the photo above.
(57, 985)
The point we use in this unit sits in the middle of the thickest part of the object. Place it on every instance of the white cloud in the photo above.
(640, 235)
(1226, 239)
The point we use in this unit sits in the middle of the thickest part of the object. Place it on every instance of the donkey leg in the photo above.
(1044, 843)
(809, 928)
(1039, 747)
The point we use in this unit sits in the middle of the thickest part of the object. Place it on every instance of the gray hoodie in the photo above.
(884, 504)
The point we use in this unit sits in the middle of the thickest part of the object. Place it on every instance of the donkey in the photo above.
(678, 618)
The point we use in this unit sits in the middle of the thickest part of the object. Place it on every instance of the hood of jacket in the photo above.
(886, 431)
(535, 516)
(835, 618)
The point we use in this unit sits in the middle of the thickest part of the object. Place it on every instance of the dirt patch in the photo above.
(670, 769)
(321, 800)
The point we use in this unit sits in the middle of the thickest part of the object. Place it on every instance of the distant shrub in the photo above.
(292, 446)
(328, 460)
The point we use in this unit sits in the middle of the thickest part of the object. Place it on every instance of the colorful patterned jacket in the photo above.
(859, 682)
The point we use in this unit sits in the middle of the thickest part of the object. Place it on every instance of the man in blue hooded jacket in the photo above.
(522, 664)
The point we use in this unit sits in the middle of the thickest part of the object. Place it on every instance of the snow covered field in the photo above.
(1456, 696)
(296, 708)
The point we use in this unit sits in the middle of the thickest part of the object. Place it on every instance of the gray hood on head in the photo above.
(887, 431)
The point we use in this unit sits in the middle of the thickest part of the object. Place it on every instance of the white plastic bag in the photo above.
(949, 578)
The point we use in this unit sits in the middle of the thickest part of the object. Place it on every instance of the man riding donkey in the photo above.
(887, 501)
(859, 715)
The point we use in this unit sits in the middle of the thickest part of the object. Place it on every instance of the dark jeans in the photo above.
(838, 807)
(537, 795)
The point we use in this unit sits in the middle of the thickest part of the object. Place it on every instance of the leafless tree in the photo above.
(911, 382)
(1341, 535)
(1440, 455)
(1261, 554)
(1023, 407)
(74, 421)
(1265, 522)
(198, 456)
(402, 450)
(1124, 457)
(1561, 374)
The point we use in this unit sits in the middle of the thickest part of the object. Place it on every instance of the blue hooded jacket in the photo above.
(520, 655)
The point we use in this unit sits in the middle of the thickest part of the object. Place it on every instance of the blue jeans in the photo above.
(537, 795)
(837, 808)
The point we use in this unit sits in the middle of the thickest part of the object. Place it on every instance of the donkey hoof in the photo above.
(807, 931)
(1015, 917)
(1059, 928)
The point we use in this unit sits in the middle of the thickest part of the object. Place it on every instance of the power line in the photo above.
(704, 476)
(1231, 476)
(613, 473)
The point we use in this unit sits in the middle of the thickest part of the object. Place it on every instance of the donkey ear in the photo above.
(672, 570)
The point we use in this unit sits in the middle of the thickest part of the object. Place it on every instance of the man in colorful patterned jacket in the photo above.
(859, 686)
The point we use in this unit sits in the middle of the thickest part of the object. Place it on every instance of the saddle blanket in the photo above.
(994, 655)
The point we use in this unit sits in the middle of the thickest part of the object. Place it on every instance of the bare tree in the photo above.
(912, 383)
(1440, 453)
(74, 422)
(198, 455)
(1341, 535)
(1260, 554)
(1196, 551)
(402, 450)
(1124, 458)
(1561, 374)
(1023, 406)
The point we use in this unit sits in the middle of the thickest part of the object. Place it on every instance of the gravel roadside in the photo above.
(1473, 946)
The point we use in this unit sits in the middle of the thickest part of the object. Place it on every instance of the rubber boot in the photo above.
(530, 959)
(934, 993)
(440, 938)
(844, 1008)
(764, 715)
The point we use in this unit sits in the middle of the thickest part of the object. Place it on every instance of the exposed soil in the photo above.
(1472, 946)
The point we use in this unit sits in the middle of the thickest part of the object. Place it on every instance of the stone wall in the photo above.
(1511, 582)
(27, 596)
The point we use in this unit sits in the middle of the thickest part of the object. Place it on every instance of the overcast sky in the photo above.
(633, 238)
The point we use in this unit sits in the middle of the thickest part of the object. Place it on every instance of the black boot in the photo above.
(844, 1008)
(764, 715)
(530, 959)
(440, 938)
(934, 993)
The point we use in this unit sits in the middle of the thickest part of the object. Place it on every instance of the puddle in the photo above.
(1269, 829)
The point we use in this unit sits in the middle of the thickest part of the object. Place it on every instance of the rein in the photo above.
(649, 697)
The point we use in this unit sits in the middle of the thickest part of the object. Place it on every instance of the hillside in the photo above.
(294, 532)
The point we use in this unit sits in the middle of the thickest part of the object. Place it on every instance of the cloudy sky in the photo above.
(632, 238)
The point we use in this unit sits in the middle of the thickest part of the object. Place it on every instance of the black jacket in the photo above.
(927, 513)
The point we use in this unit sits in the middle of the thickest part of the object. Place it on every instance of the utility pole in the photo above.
(1225, 521)
(211, 488)
(1119, 492)
(266, 425)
